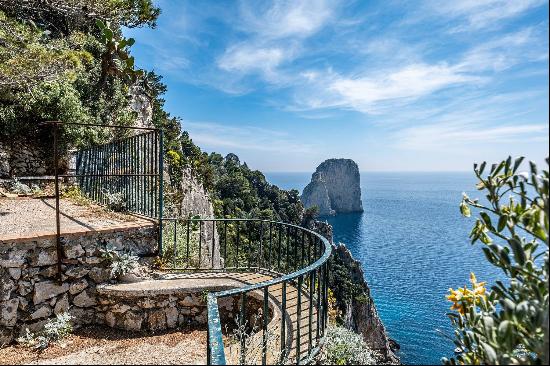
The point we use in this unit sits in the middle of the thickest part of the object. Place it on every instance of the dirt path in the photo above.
(99, 346)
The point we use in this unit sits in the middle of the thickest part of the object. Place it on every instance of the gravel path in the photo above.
(99, 346)
(26, 217)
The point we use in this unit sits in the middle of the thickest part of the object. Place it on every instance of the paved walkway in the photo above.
(254, 343)
(23, 218)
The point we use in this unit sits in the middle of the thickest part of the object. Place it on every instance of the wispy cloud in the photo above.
(274, 34)
(478, 14)
(246, 137)
(384, 89)
(451, 136)
(283, 19)
(376, 93)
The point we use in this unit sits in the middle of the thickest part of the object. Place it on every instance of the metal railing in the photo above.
(125, 170)
(130, 167)
(296, 287)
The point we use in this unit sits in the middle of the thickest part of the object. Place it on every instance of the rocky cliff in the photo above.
(334, 188)
(353, 300)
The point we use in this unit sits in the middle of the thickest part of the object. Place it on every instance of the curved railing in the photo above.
(288, 323)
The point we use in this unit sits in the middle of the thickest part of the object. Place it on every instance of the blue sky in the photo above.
(394, 85)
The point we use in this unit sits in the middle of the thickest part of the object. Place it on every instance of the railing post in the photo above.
(161, 186)
(242, 329)
(57, 213)
(215, 347)
(299, 320)
(283, 323)
(265, 321)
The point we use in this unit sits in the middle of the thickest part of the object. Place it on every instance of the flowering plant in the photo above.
(509, 323)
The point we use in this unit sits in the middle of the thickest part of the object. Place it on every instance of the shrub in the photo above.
(116, 201)
(508, 324)
(54, 330)
(345, 347)
(120, 263)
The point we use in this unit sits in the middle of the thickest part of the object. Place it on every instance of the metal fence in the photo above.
(295, 262)
(125, 172)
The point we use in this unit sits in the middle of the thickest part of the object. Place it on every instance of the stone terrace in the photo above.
(26, 218)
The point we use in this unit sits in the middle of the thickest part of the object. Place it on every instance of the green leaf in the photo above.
(490, 353)
(100, 24)
(465, 209)
(487, 220)
(508, 165)
(517, 163)
(502, 222)
(108, 34)
(482, 167)
(517, 249)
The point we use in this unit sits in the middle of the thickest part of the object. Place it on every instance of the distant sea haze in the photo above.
(414, 245)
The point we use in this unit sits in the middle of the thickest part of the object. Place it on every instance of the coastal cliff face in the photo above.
(334, 188)
(355, 305)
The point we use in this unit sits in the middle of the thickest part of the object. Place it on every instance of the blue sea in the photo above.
(414, 245)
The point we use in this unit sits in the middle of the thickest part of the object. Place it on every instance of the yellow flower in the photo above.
(463, 298)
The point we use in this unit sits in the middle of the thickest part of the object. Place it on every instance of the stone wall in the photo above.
(21, 159)
(153, 311)
(29, 290)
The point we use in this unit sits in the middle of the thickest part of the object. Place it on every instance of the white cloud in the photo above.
(408, 83)
(387, 88)
(274, 35)
(244, 58)
(379, 92)
(218, 136)
(504, 52)
(281, 19)
(459, 135)
(478, 14)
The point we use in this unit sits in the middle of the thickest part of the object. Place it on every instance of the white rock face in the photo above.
(334, 188)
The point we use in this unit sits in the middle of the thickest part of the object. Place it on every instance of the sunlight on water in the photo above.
(414, 245)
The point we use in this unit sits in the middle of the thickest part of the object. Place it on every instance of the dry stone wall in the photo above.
(21, 159)
(30, 292)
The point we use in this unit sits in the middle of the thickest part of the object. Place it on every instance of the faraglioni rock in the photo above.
(334, 188)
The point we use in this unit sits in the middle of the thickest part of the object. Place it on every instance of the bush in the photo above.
(54, 330)
(508, 324)
(345, 347)
(120, 263)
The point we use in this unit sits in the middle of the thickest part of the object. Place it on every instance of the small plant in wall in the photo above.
(121, 263)
(54, 330)
(116, 201)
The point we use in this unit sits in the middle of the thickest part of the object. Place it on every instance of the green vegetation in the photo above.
(238, 191)
(121, 263)
(509, 324)
(68, 61)
(344, 347)
(54, 330)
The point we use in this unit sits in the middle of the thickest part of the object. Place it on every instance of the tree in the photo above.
(509, 324)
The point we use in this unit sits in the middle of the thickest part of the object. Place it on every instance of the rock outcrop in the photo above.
(359, 311)
(334, 188)
(190, 199)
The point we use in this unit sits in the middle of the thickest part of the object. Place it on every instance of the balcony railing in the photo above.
(289, 325)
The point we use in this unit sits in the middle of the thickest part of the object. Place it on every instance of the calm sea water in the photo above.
(414, 245)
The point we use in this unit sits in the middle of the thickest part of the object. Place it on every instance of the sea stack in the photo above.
(334, 188)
